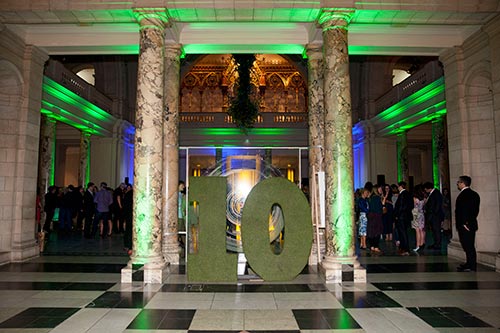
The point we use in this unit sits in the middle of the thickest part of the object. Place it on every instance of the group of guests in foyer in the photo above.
(94, 211)
(390, 212)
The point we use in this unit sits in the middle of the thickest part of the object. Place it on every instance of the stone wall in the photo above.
(21, 72)
(473, 102)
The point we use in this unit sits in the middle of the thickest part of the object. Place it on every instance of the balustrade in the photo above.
(429, 73)
(57, 72)
(222, 119)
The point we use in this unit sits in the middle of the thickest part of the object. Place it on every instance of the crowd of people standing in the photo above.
(94, 211)
(390, 212)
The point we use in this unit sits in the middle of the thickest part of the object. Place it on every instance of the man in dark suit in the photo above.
(403, 217)
(434, 214)
(466, 212)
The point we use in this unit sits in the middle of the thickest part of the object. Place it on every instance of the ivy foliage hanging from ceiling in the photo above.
(244, 108)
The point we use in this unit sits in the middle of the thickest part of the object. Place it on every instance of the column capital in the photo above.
(438, 118)
(174, 49)
(335, 18)
(50, 118)
(314, 51)
(153, 18)
(399, 130)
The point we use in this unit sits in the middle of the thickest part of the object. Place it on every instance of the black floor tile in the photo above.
(410, 267)
(252, 331)
(180, 314)
(305, 287)
(39, 318)
(174, 324)
(45, 322)
(452, 285)
(63, 267)
(447, 317)
(21, 285)
(243, 288)
(89, 286)
(313, 324)
(318, 319)
(367, 299)
(18, 322)
(463, 318)
(153, 319)
(264, 288)
(122, 300)
(147, 319)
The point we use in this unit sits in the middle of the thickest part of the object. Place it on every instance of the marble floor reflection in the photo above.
(71, 292)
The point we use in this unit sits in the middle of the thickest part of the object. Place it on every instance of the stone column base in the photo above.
(153, 272)
(343, 269)
(23, 251)
(143, 273)
(132, 273)
(172, 253)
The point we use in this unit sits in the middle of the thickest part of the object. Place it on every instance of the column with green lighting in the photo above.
(440, 164)
(402, 151)
(84, 170)
(316, 130)
(170, 246)
(148, 153)
(338, 152)
(46, 160)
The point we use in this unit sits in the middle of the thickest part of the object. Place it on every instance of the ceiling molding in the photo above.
(378, 28)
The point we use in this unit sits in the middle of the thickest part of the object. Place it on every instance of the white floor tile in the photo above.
(389, 320)
(217, 320)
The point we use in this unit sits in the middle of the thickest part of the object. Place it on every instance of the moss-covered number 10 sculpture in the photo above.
(212, 263)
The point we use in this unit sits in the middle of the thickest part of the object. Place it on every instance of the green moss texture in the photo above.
(255, 230)
(212, 263)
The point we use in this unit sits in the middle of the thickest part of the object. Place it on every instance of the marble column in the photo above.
(84, 168)
(171, 153)
(148, 154)
(340, 256)
(47, 154)
(316, 135)
(402, 151)
(440, 164)
(218, 156)
(268, 158)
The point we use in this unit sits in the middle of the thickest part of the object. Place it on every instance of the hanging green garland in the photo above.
(243, 109)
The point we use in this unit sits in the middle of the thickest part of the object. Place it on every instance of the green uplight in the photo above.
(401, 120)
(278, 15)
(66, 120)
(422, 117)
(433, 89)
(66, 95)
(252, 131)
(55, 101)
(144, 215)
(344, 213)
(243, 48)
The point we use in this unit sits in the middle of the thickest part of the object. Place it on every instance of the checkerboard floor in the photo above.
(404, 294)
